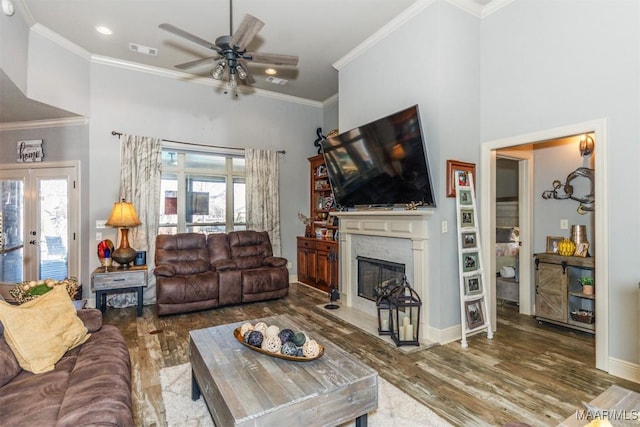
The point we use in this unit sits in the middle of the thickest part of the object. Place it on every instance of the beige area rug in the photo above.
(395, 408)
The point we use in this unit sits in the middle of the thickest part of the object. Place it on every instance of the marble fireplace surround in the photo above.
(392, 235)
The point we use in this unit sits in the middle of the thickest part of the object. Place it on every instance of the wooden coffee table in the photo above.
(245, 388)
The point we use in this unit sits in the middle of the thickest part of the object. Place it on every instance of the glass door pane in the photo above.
(39, 223)
(11, 230)
(54, 233)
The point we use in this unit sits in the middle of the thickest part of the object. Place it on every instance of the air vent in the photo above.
(277, 81)
(152, 51)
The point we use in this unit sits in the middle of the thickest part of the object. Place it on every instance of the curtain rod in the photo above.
(119, 134)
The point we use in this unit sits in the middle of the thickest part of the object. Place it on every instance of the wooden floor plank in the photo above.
(531, 372)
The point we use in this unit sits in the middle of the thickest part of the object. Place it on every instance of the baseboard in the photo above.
(623, 369)
(444, 336)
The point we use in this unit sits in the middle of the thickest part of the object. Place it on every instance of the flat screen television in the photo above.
(380, 164)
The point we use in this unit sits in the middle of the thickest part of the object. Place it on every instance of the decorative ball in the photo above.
(255, 338)
(272, 344)
(272, 331)
(247, 327)
(311, 348)
(286, 335)
(566, 247)
(105, 249)
(299, 338)
(245, 336)
(299, 352)
(289, 349)
(262, 327)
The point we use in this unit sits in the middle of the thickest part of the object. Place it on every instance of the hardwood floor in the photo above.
(529, 372)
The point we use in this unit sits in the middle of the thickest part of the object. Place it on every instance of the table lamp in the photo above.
(124, 216)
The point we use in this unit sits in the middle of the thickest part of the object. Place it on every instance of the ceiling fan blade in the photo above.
(249, 80)
(248, 29)
(272, 58)
(197, 62)
(182, 33)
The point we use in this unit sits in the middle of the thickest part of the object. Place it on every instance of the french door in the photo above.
(39, 227)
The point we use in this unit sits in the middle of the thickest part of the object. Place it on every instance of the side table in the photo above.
(114, 280)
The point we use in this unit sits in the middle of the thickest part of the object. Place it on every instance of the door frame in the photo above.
(526, 298)
(74, 211)
(487, 222)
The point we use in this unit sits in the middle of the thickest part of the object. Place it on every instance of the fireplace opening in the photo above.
(376, 276)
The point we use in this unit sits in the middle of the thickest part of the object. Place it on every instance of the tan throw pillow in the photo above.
(42, 330)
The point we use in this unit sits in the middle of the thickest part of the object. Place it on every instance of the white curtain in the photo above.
(263, 199)
(140, 176)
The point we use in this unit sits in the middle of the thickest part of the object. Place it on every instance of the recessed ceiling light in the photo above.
(8, 8)
(271, 71)
(104, 30)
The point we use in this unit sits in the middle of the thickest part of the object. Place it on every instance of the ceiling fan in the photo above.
(231, 51)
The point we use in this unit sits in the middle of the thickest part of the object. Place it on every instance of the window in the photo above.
(201, 192)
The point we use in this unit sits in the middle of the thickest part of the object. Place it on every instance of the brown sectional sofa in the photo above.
(90, 385)
(196, 271)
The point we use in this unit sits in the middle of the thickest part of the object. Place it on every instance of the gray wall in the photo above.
(555, 160)
(61, 144)
(554, 63)
(440, 72)
(150, 105)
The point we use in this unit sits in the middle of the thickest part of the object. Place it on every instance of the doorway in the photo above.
(488, 159)
(39, 215)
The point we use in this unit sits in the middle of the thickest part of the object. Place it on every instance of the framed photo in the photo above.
(465, 197)
(470, 262)
(473, 285)
(552, 244)
(474, 314)
(468, 240)
(466, 218)
(582, 250)
(454, 166)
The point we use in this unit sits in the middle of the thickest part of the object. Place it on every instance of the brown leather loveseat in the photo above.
(195, 271)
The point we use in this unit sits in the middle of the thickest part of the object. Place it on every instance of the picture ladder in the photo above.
(474, 313)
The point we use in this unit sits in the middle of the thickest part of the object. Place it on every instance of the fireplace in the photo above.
(374, 275)
(395, 236)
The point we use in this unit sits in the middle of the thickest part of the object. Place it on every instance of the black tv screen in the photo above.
(382, 163)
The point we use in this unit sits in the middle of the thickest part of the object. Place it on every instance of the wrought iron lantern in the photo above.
(405, 315)
(383, 304)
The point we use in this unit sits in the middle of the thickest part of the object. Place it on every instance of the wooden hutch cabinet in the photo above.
(318, 252)
(559, 296)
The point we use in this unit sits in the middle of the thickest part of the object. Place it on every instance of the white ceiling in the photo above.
(320, 32)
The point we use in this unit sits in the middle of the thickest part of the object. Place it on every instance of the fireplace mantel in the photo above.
(409, 225)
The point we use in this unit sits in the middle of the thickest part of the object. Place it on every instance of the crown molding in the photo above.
(333, 99)
(60, 41)
(494, 6)
(397, 22)
(411, 12)
(205, 81)
(468, 6)
(39, 124)
(473, 8)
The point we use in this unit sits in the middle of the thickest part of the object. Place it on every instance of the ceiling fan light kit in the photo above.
(231, 52)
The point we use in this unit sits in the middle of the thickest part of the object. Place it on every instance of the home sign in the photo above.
(30, 151)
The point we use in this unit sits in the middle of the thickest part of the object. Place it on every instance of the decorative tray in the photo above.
(239, 337)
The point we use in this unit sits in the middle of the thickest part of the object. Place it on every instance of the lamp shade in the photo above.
(123, 215)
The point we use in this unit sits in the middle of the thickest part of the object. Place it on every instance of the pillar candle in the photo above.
(384, 324)
(401, 333)
(408, 332)
(405, 320)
